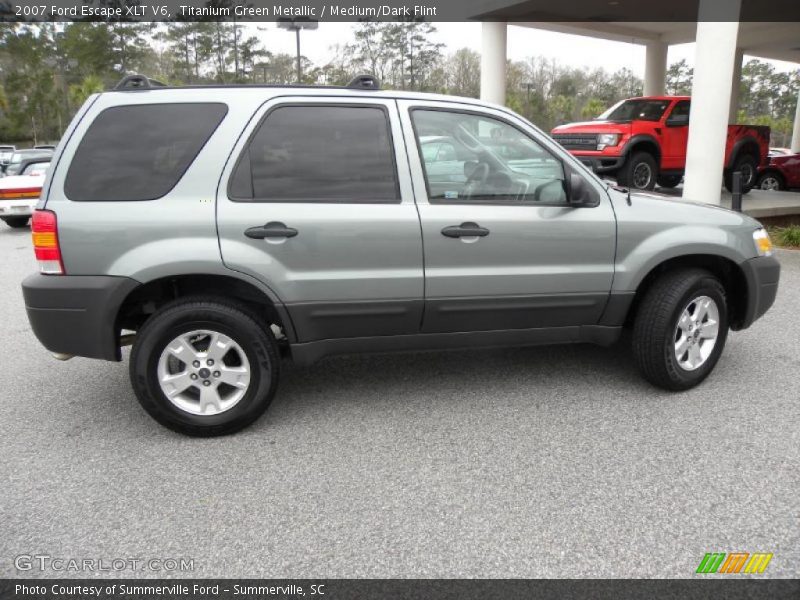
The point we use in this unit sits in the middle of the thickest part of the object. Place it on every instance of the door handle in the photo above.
(273, 229)
(467, 229)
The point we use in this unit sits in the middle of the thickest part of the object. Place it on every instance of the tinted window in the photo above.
(680, 114)
(635, 110)
(318, 154)
(140, 152)
(481, 159)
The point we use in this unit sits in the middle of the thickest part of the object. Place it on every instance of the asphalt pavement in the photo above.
(540, 462)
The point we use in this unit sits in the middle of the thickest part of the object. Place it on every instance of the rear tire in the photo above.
(16, 222)
(747, 164)
(639, 172)
(670, 336)
(669, 181)
(204, 367)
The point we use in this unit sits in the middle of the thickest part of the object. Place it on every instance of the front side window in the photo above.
(318, 153)
(139, 152)
(481, 159)
(680, 113)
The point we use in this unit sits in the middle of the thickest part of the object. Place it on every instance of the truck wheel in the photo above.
(747, 165)
(16, 222)
(771, 182)
(669, 181)
(639, 172)
(204, 367)
(680, 329)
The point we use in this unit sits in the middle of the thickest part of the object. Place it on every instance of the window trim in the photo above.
(306, 104)
(486, 202)
(183, 173)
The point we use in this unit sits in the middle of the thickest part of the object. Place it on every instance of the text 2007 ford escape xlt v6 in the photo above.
(224, 225)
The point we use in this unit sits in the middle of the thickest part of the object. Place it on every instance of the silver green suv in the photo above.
(218, 229)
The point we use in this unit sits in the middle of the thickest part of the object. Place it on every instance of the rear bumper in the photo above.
(17, 208)
(761, 275)
(76, 314)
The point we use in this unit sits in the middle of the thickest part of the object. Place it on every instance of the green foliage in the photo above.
(593, 108)
(786, 236)
(48, 70)
(79, 92)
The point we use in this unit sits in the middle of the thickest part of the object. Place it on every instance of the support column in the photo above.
(796, 130)
(493, 62)
(715, 51)
(655, 68)
(736, 84)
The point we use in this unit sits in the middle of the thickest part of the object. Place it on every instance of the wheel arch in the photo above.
(725, 269)
(772, 171)
(644, 143)
(745, 146)
(147, 298)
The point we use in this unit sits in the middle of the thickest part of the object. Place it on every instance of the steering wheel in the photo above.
(477, 177)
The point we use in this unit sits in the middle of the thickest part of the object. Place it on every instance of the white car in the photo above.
(19, 195)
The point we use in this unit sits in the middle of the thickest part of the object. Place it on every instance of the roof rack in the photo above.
(138, 82)
(364, 82)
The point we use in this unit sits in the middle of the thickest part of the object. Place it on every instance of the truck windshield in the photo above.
(635, 110)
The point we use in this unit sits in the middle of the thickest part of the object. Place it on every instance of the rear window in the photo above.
(139, 152)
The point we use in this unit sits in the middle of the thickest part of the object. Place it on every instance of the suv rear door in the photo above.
(316, 202)
(535, 261)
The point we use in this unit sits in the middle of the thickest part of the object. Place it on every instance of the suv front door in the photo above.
(316, 202)
(503, 248)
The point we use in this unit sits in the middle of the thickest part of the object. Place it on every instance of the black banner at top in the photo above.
(612, 11)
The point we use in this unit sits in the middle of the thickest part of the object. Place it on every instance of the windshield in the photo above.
(635, 110)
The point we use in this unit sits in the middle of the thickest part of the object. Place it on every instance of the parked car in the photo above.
(5, 154)
(14, 164)
(239, 224)
(782, 173)
(779, 152)
(45, 147)
(642, 142)
(19, 195)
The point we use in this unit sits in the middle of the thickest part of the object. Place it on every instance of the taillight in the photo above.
(44, 229)
(20, 193)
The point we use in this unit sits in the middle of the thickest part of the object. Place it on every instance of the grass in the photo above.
(786, 237)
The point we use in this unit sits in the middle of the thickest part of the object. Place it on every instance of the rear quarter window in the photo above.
(140, 152)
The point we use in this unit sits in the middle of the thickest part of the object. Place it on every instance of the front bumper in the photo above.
(599, 163)
(76, 314)
(761, 275)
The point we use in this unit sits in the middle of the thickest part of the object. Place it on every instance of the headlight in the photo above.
(607, 139)
(763, 243)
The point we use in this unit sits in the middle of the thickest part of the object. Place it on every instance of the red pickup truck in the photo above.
(642, 141)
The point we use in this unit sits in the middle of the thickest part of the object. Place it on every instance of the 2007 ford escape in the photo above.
(224, 225)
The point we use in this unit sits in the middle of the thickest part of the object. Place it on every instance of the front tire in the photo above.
(639, 172)
(204, 367)
(16, 222)
(680, 329)
(771, 182)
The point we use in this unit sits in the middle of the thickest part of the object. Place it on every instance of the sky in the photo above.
(523, 42)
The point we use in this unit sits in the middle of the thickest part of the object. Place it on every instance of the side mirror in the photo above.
(578, 193)
(679, 121)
